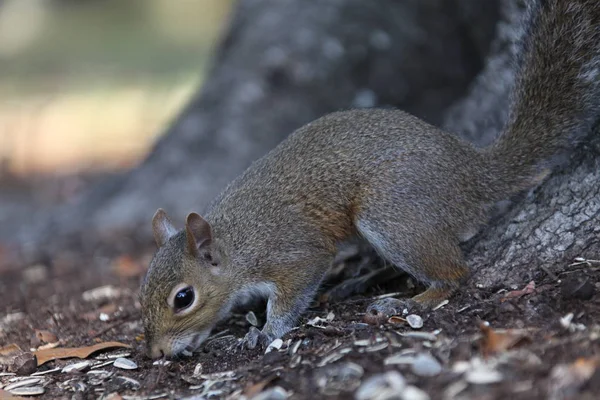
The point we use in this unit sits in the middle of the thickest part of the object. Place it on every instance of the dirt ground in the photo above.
(550, 350)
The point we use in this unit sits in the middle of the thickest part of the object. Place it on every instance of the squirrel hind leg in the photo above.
(433, 258)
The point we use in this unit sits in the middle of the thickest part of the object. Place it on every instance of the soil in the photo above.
(537, 341)
(540, 357)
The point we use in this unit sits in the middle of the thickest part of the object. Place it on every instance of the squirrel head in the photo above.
(184, 291)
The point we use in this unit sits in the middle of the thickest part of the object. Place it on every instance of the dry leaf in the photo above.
(8, 353)
(43, 356)
(530, 288)
(495, 341)
(45, 336)
(10, 350)
(4, 395)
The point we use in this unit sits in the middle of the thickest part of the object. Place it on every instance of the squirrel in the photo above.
(411, 190)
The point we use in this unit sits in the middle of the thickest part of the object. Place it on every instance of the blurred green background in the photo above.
(89, 84)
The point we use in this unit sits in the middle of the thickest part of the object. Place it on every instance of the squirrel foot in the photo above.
(380, 310)
(256, 338)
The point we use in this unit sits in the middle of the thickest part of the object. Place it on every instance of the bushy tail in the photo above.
(556, 100)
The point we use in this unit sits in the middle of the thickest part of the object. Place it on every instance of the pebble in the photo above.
(24, 364)
(415, 321)
(77, 367)
(426, 365)
(28, 391)
(251, 318)
(577, 287)
(124, 363)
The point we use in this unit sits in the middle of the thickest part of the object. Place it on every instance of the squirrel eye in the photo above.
(184, 298)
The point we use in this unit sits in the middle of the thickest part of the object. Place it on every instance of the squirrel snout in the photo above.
(156, 351)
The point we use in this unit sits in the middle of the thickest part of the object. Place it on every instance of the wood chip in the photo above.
(43, 356)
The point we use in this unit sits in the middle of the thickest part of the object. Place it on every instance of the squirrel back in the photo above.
(409, 189)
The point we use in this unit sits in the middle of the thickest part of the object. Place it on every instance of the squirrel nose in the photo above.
(155, 351)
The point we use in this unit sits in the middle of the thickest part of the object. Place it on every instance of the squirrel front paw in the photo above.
(380, 310)
(255, 338)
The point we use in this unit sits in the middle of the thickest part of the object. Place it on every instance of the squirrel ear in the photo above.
(162, 227)
(198, 233)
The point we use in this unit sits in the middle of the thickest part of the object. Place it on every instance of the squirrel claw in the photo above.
(255, 338)
(380, 310)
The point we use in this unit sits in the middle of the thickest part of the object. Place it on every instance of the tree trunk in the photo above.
(283, 63)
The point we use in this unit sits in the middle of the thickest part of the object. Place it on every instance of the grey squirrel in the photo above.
(411, 190)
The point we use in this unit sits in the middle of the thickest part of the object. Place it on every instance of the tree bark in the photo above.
(283, 63)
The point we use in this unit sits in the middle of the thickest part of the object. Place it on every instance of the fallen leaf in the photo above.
(495, 341)
(43, 356)
(9, 353)
(45, 336)
(530, 288)
(4, 395)
(10, 350)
